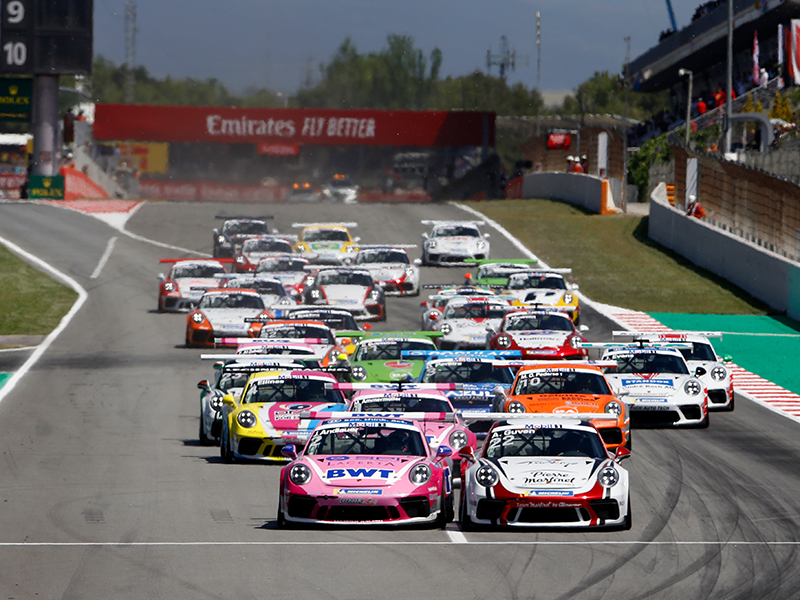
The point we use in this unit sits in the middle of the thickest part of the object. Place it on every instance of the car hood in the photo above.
(548, 474)
(323, 247)
(647, 383)
(456, 243)
(541, 296)
(386, 271)
(361, 471)
(230, 317)
(185, 285)
(391, 370)
(566, 403)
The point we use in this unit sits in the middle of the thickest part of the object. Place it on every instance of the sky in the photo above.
(274, 44)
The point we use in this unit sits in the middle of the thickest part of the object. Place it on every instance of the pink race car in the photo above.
(367, 471)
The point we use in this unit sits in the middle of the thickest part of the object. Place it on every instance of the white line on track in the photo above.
(17, 349)
(104, 259)
(42, 348)
(454, 534)
(398, 543)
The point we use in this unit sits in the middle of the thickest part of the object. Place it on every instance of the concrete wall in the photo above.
(766, 276)
(582, 190)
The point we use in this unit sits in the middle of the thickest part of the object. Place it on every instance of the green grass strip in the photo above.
(31, 303)
(614, 261)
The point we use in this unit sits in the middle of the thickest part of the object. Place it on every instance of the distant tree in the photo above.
(604, 93)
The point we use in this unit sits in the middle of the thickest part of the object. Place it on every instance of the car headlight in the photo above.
(221, 239)
(198, 317)
(359, 373)
(215, 402)
(608, 477)
(613, 408)
(503, 341)
(375, 294)
(169, 286)
(486, 476)
(719, 373)
(568, 298)
(481, 245)
(431, 243)
(516, 407)
(246, 419)
(446, 328)
(575, 341)
(420, 474)
(300, 474)
(692, 387)
(458, 439)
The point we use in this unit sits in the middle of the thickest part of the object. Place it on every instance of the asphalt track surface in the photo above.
(106, 493)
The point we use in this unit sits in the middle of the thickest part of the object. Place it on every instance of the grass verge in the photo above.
(31, 303)
(614, 261)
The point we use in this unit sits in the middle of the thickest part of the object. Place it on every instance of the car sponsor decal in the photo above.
(363, 501)
(357, 491)
(549, 478)
(548, 493)
(359, 473)
(398, 364)
(646, 381)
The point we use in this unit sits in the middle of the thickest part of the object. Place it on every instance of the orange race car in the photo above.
(570, 388)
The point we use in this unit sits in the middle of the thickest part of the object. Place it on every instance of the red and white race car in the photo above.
(187, 280)
(539, 334)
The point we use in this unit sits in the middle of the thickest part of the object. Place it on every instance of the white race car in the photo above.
(255, 248)
(289, 269)
(454, 243)
(657, 385)
(222, 313)
(465, 322)
(340, 189)
(717, 376)
(544, 471)
(352, 289)
(187, 280)
(271, 289)
(390, 268)
(433, 308)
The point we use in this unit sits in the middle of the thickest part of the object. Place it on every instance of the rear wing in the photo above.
(503, 261)
(389, 334)
(635, 344)
(431, 354)
(452, 221)
(564, 364)
(231, 217)
(664, 336)
(404, 416)
(177, 260)
(385, 246)
(335, 224)
(393, 387)
(317, 356)
(238, 341)
(503, 416)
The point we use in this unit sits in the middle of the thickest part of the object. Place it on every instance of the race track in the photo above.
(106, 493)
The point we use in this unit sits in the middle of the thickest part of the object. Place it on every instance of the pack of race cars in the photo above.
(496, 390)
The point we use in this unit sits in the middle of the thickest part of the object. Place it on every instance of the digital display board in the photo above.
(46, 37)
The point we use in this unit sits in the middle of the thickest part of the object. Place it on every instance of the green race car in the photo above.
(377, 356)
(494, 273)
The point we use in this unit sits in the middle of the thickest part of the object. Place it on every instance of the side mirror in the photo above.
(357, 239)
(228, 400)
(467, 453)
(444, 452)
(161, 278)
(418, 261)
(367, 326)
(202, 384)
(486, 235)
(700, 371)
(622, 454)
(574, 286)
(289, 451)
(424, 235)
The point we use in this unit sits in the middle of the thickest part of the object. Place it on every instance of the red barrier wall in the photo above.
(78, 185)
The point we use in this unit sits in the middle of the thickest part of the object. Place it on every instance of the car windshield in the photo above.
(455, 231)
(548, 282)
(544, 441)
(498, 270)
(245, 228)
(538, 323)
(699, 351)
(325, 235)
(651, 362)
(560, 382)
(262, 286)
(465, 372)
(297, 332)
(231, 301)
(261, 245)
(389, 350)
(381, 256)
(405, 403)
(344, 278)
(228, 380)
(302, 354)
(335, 320)
(476, 311)
(371, 440)
(281, 265)
(291, 390)
(198, 271)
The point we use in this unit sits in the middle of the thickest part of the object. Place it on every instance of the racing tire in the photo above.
(629, 443)
(628, 517)
(204, 439)
(224, 448)
(463, 514)
(446, 512)
(729, 408)
(281, 520)
(704, 423)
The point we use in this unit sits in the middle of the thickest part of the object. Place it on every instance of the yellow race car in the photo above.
(326, 243)
(543, 288)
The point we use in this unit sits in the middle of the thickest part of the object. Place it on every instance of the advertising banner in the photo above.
(290, 126)
(558, 141)
(46, 187)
